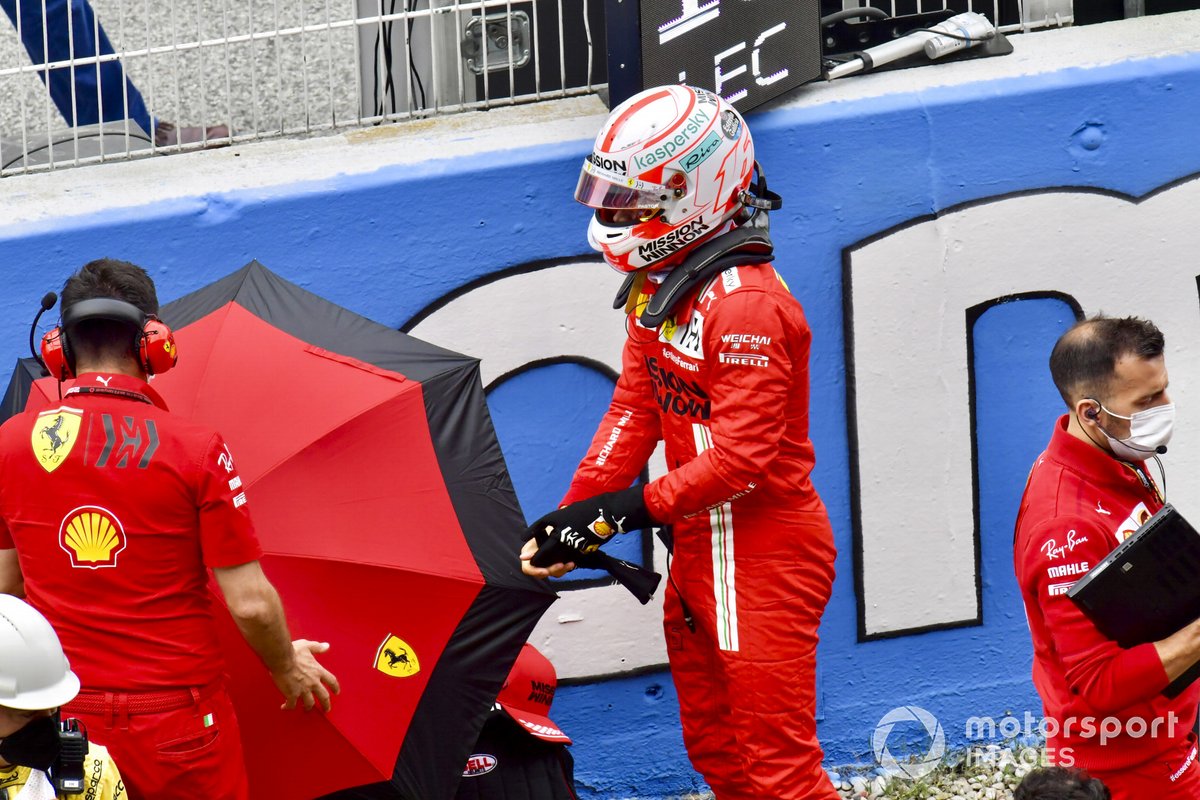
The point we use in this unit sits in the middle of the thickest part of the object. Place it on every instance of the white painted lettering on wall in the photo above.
(910, 291)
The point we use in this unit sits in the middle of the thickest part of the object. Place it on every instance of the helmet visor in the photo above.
(599, 189)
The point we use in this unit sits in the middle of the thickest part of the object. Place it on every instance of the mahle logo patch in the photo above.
(396, 658)
(54, 436)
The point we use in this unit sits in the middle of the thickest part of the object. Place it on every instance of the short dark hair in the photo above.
(1061, 783)
(1084, 359)
(107, 277)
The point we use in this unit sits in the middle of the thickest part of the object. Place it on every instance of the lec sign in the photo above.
(747, 51)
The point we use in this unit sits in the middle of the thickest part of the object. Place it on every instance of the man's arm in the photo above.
(620, 448)
(1108, 677)
(258, 612)
(11, 580)
(1179, 651)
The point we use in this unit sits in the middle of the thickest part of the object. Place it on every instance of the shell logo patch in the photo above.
(54, 436)
(394, 657)
(92, 537)
(601, 528)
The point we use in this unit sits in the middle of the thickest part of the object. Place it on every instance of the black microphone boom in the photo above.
(48, 302)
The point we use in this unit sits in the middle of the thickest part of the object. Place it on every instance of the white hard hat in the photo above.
(34, 673)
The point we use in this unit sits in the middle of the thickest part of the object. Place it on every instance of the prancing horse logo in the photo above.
(54, 436)
(51, 433)
(396, 657)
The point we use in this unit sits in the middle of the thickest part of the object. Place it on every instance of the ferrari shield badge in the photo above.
(396, 658)
(54, 435)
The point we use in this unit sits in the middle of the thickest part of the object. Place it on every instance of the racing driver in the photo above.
(716, 365)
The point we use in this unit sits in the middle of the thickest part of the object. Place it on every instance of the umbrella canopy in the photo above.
(388, 521)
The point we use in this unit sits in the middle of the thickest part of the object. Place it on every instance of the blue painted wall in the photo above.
(389, 244)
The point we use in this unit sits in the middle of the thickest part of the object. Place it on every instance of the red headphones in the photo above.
(153, 343)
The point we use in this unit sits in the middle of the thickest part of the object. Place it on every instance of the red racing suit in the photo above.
(724, 383)
(1079, 504)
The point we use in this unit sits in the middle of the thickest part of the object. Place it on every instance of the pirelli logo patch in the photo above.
(744, 359)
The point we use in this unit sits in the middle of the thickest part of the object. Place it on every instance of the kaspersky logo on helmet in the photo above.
(667, 150)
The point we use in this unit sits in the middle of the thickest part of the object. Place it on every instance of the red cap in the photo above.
(528, 692)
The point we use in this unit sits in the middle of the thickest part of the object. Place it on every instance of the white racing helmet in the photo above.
(34, 673)
(669, 168)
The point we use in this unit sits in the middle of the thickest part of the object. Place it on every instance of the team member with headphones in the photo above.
(1086, 493)
(112, 511)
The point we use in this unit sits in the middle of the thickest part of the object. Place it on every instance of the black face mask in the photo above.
(36, 745)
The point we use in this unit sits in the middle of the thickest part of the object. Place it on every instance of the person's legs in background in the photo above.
(61, 30)
(86, 94)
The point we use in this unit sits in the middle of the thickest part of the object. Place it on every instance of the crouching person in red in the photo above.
(112, 513)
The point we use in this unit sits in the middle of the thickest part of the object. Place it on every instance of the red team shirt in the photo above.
(117, 508)
(1079, 504)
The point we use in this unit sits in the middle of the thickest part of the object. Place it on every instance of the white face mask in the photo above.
(1148, 431)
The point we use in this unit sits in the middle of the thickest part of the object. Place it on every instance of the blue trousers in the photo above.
(86, 94)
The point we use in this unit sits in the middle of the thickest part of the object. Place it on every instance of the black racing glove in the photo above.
(640, 582)
(580, 528)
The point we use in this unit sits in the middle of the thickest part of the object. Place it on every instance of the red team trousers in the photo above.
(179, 744)
(746, 677)
(1174, 776)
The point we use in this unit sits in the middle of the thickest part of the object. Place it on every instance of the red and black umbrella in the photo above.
(389, 522)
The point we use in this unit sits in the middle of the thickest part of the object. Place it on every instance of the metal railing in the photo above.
(1009, 16)
(130, 78)
(226, 71)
